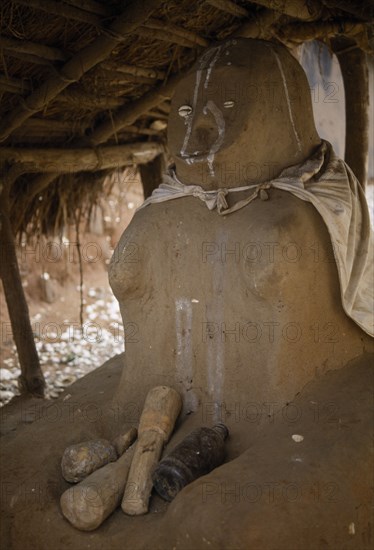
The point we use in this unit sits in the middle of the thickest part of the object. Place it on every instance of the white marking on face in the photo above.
(210, 68)
(220, 121)
(189, 119)
(206, 62)
(287, 98)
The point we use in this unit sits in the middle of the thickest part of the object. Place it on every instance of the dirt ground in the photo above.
(312, 493)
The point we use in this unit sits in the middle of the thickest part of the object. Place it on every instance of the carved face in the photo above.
(235, 119)
(210, 110)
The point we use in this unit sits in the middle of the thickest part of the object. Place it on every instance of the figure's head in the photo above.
(241, 115)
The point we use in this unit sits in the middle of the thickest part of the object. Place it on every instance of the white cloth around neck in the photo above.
(329, 184)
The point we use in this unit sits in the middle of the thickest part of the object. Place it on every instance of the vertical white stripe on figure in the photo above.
(184, 366)
(210, 68)
(287, 97)
(216, 346)
(190, 118)
(220, 121)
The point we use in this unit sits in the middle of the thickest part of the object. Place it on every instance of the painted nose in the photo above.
(204, 133)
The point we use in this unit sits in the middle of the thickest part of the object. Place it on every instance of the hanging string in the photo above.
(78, 215)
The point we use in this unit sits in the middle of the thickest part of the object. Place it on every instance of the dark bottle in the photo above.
(199, 453)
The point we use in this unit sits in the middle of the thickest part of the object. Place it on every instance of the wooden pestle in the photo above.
(161, 409)
(90, 502)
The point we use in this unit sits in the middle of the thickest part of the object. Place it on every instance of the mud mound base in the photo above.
(284, 492)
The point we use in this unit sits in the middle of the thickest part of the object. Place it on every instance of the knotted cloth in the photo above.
(330, 185)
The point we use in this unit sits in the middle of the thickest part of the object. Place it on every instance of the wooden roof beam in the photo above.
(91, 6)
(31, 48)
(141, 131)
(296, 33)
(49, 126)
(161, 30)
(229, 7)
(13, 85)
(154, 74)
(362, 10)
(300, 9)
(20, 86)
(81, 100)
(165, 36)
(190, 36)
(133, 16)
(76, 98)
(26, 58)
(53, 7)
(114, 77)
(52, 160)
(164, 108)
(259, 26)
(130, 112)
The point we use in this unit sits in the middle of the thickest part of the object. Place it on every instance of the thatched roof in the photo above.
(85, 84)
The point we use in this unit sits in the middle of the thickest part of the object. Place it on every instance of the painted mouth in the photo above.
(198, 156)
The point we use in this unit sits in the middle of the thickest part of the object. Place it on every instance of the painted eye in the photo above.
(229, 104)
(184, 111)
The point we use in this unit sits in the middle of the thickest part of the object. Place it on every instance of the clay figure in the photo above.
(245, 282)
(230, 293)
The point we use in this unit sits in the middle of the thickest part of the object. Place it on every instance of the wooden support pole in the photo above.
(151, 174)
(31, 379)
(83, 159)
(93, 54)
(354, 70)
